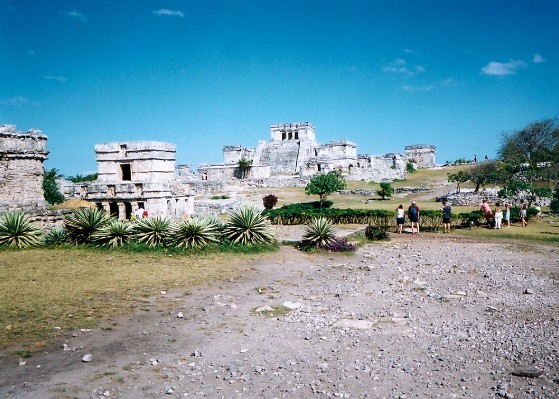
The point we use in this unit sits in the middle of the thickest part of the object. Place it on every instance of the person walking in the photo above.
(400, 218)
(523, 209)
(447, 215)
(413, 216)
(498, 215)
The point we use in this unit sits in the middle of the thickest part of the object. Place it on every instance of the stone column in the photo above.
(121, 210)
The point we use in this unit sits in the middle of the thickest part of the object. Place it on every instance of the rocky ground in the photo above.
(429, 316)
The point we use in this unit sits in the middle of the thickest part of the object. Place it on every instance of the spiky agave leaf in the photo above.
(17, 231)
(152, 231)
(57, 236)
(193, 234)
(248, 226)
(82, 223)
(319, 232)
(113, 234)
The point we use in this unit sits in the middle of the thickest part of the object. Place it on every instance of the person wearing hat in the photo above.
(413, 216)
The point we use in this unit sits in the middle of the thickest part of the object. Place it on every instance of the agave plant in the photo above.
(153, 231)
(114, 234)
(193, 233)
(84, 222)
(57, 236)
(319, 232)
(248, 226)
(17, 231)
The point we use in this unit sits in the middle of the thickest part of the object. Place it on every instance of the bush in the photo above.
(248, 226)
(410, 167)
(17, 231)
(554, 204)
(57, 236)
(269, 201)
(319, 232)
(194, 234)
(220, 197)
(82, 223)
(153, 231)
(339, 244)
(114, 234)
(374, 233)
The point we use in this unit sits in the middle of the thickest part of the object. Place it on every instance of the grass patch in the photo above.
(535, 232)
(79, 287)
(277, 310)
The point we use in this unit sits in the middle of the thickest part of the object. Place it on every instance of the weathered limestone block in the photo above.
(423, 155)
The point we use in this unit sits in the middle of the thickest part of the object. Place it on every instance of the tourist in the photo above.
(507, 213)
(447, 215)
(487, 212)
(413, 215)
(139, 212)
(498, 215)
(400, 218)
(539, 215)
(523, 208)
(475, 158)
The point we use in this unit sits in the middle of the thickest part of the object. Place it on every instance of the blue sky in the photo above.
(207, 73)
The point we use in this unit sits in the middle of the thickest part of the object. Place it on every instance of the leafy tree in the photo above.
(537, 142)
(532, 191)
(554, 205)
(324, 185)
(386, 190)
(458, 178)
(80, 178)
(483, 173)
(243, 166)
(50, 189)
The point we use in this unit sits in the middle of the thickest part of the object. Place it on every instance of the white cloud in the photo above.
(164, 11)
(75, 14)
(60, 79)
(503, 69)
(400, 65)
(18, 100)
(410, 51)
(538, 59)
(418, 88)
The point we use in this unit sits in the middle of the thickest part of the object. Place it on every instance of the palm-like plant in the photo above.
(84, 222)
(319, 232)
(193, 234)
(57, 236)
(17, 231)
(153, 231)
(248, 226)
(113, 234)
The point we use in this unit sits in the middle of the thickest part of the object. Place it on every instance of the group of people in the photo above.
(494, 218)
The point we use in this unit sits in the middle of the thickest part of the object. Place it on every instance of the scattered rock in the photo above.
(87, 358)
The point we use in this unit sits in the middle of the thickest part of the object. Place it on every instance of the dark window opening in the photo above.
(296, 135)
(99, 205)
(126, 172)
(290, 136)
(128, 210)
(113, 209)
(283, 136)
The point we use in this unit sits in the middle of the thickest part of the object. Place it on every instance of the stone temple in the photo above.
(22, 155)
(138, 174)
(293, 150)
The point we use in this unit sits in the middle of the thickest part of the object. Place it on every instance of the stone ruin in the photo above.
(294, 151)
(138, 174)
(22, 155)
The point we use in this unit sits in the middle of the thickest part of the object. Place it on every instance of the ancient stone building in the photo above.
(138, 174)
(294, 151)
(423, 155)
(21, 169)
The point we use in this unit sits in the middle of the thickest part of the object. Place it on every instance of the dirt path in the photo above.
(418, 317)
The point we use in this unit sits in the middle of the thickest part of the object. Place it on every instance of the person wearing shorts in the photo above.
(413, 216)
(507, 213)
(400, 218)
(487, 212)
(447, 215)
(523, 208)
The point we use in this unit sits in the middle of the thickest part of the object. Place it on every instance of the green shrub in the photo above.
(374, 233)
(410, 167)
(554, 204)
(220, 197)
(339, 244)
(318, 233)
(17, 231)
(57, 236)
(247, 225)
(194, 233)
(153, 231)
(114, 234)
(82, 223)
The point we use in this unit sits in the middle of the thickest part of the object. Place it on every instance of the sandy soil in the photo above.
(424, 316)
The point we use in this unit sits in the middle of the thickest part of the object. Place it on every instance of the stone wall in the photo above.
(423, 155)
(21, 168)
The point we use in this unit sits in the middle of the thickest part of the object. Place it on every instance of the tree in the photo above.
(50, 188)
(243, 166)
(386, 190)
(537, 142)
(483, 173)
(324, 185)
(458, 178)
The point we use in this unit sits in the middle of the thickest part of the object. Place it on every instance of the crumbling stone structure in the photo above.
(138, 174)
(294, 151)
(423, 155)
(21, 169)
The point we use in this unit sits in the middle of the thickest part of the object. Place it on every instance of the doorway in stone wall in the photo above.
(128, 210)
(113, 209)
